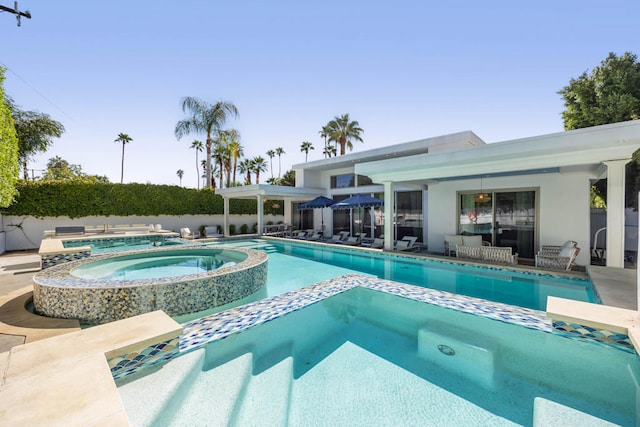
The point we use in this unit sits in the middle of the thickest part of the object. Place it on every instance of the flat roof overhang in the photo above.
(454, 141)
(583, 147)
(270, 192)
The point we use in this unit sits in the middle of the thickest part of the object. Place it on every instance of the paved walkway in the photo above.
(617, 288)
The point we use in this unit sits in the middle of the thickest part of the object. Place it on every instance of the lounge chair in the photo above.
(212, 231)
(317, 235)
(333, 239)
(186, 233)
(555, 250)
(352, 241)
(377, 243)
(563, 260)
(408, 244)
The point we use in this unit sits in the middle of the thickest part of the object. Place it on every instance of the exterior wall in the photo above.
(26, 232)
(563, 207)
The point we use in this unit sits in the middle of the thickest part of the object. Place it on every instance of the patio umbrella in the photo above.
(358, 201)
(319, 202)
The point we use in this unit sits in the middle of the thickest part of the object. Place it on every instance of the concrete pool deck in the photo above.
(88, 396)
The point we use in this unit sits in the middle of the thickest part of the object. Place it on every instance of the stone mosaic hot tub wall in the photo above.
(58, 294)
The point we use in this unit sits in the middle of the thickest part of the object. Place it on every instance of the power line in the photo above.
(16, 12)
(36, 91)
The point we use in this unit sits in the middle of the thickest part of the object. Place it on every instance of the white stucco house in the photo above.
(536, 191)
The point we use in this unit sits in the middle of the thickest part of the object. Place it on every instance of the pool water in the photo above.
(294, 265)
(123, 244)
(366, 358)
(152, 267)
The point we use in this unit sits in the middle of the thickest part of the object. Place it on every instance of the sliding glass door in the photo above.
(502, 219)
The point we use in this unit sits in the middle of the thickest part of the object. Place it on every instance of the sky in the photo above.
(404, 69)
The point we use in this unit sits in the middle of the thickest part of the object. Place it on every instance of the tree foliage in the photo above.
(609, 94)
(342, 130)
(8, 150)
(35, 133)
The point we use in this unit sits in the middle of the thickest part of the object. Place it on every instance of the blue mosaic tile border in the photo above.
(48, 261)
(129, 363)
(614, 339)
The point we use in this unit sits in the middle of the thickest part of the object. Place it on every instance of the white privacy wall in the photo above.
(563, 207)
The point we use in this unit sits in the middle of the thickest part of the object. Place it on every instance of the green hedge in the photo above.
(81, 199)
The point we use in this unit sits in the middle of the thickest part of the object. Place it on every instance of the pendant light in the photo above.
(481, 197)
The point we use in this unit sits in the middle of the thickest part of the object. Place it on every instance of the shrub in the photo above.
(232, 229)
(244, 229)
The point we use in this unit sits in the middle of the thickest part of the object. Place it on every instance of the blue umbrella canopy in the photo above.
(357, 201)
(317, 203)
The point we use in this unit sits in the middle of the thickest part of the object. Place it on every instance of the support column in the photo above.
(288, 211)
(260, 215)
(225, 225)
(389, 209)
(615, 212)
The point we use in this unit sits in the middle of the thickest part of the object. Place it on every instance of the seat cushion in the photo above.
(472, 240)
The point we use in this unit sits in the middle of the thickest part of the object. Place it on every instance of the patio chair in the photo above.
(563, 260)
(352, 241)
(408, 244)
(450, 243)
(186, 233)
(212, 231)
(554, 250)
(317, 235)
(378, 243)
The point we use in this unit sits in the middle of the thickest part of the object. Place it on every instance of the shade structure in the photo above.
(319, 202)
(358, 201)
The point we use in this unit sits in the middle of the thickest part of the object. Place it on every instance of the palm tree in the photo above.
(259, 165)
(197, 145)
(220, 155)
(245, 167)
(279, 152)
(124, 139)
(305, 147)
(271, 155)
(204, 118)
(180, 174)
(324, 133)
(342, 131)
(329, 150)
(235, 149)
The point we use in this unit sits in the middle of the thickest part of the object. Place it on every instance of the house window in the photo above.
(343, 181)
(409, 214)
(364, 180)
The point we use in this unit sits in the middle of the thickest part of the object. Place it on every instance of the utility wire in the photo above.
(36, 91)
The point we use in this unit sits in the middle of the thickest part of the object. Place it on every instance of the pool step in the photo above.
(146, 398)
(266, 400)
(213, 395)
(464, 352)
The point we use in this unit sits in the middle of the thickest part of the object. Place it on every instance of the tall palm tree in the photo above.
(271, 155)
(235, 149)
(197, 145)
(180, 174)
(124, 139)
(324, 133)
(305, 147)
(259, 165)
(279, 152)
(220, 155)
(204, 118)
(342, 131)
(245, 167)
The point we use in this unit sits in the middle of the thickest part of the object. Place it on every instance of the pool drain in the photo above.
(446, 350)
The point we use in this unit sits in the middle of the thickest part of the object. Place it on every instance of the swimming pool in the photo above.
(365, 356)
(293, 265)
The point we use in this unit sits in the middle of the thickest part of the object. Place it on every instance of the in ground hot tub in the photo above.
(179, 281)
